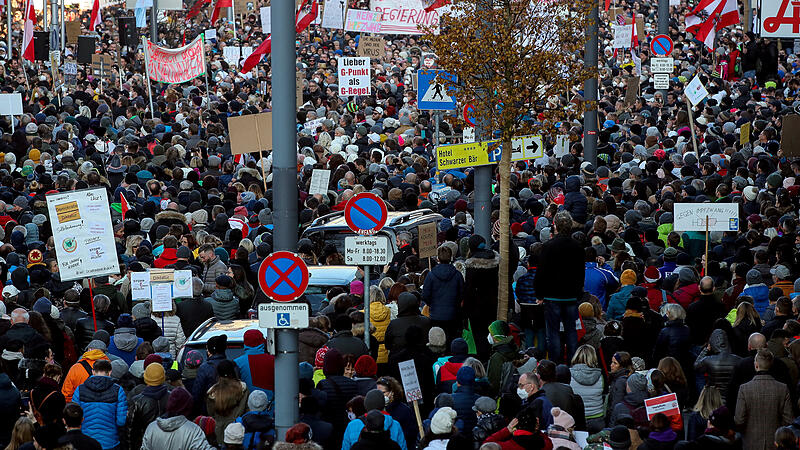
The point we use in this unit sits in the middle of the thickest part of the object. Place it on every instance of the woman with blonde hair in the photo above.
(587, 381)
(22, 433)
(709, 400)
(132, 244)
(747, 322)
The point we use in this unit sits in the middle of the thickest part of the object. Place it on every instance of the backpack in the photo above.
(508, 378)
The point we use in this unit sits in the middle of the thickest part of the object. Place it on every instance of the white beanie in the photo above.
(750, 193)
(443, 420)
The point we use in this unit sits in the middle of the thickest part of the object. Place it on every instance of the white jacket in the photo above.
(173, 331)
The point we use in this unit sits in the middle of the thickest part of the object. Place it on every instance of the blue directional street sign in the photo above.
(433, 92)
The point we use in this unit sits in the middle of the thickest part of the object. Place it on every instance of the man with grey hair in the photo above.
(404, 250)
(20, 330)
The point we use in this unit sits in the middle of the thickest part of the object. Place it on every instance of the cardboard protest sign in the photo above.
(11, 104)
(631, 90)
(408, 374)
(176, 65)
(790, 135)
(427, 239)
(160, 286)
(73, 29)
(239, 6)
(82, 234)
(266, 19)
(244, 139)
(102, 65)
(744, 133)
(692, 216)
(371, 46)
(298, 80)
(695, 91)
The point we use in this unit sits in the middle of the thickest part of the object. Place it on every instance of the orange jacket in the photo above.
(78, 374)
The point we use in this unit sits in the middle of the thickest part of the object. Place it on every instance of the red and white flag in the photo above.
(96, 17)
(710, 16)
(220, 4)
(305, 15)
(123, 203)
(436, 4)
(263, 49)
(27, 36)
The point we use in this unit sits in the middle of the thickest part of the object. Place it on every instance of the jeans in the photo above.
(536, 337)
(555, 314)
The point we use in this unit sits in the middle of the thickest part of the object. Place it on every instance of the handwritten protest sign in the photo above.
(176, 65)
(371, 46)
(406, 16)
(363, 21)
(408, 375)
(665, 404)
(692, 216)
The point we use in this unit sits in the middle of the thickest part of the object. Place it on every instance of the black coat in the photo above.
(443, 291)
(84, 330)
(719, 362)
(700, 318)
(407, 316)
(375, 441)
(71, 315)
(346, 343)
(147, 329)
(79, 441)
(339, 390)
(480, 296)
(192, 313)
(673, 340)
(10, 407)
(144, 409)
(561, 271)
(23, 333)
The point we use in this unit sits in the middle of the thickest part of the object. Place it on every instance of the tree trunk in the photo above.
(505, 225)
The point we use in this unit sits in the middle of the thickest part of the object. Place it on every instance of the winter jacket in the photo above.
(206, 377)
(354, 427)
(407, 316)
(763, 406)
(660, 440)
(346, 343)
(147, 329)
(487, 424)
(10, 407)
(210, 273)
(71, 315)
(79, 373)
(616, 305)
(339, 390)
(760, 294)
(599, 281)
(587, 382)
(174, 433)
(686, 295)
(402, 414)
(503, 351)
(370, 441)
(700, 318)
(480, 296)
(310, 340)
(673, 340)
(259, 426)
(379, 316)
(442, 292)
(463, 400)
(718, 363)
(167, 257)
(20, 332)
(224, 303)
(257, 369)
(562, 276)
(574, 200)
(173, 331)
(521, 440)
(225, 418)
(84, 330)
(193, 312)
(145, 408)
(105, 409)
(124, 344)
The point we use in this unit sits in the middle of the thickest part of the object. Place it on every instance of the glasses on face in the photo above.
(522, 385)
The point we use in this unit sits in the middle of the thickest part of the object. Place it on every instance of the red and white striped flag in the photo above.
(305, 15)
(710, 16)
(27, 36)
(124, 206)
(436, 4)
(96, 16)
(255, 57)
(220, 4)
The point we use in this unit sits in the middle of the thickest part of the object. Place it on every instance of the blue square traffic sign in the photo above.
(432, 91)
(283, 320)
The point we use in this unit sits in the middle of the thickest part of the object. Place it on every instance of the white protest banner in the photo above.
(695, 90)
(665, 404)
(140, 285)
(11, 104)
(333, 14)
(266, 19)
(319, 181)
(354, 76)
(363, 21)
(562, 145)
(623, 36)
(405, 16)
(82, 234)
(313, 125)
(408, 374)
(176, 65)
(211, 33)
(692, 216)
(182, 285)
(150, 285)
(161, 297)
(231, 54)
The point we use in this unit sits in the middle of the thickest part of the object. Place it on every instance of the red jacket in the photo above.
(686, 295)
(167, 257)
(521, 440)
(655, 296)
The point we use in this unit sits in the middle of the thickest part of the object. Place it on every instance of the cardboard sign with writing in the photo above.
(632, 90)
(744, 133)
(73, 30)
(371, 46)
(408, 375)
(640, 33)
(244, 6)
(244, 140)
(427, 239)
(790, 137)
(102, 65)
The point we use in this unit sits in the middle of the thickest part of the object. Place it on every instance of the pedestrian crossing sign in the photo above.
(433, 90)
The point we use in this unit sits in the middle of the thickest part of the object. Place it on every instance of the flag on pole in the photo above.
(263, 49)
(305, 15)
(123, 202)
(96, 16)
(27, 37)
(436, 4)
(218, 6)
(198, 5)
(710, 16)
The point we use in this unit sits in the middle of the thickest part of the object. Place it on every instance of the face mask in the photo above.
(522, 393)
(386, 400)
(489, 338)
(351, 415)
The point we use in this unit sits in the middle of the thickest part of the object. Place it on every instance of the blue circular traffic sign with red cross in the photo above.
(283, 276)
(365, 213)
(661, 45)
(469, 114)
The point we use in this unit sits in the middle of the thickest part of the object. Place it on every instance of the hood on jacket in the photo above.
(98, 383)
(444, 272)
(156, 392)
(94, 355)
(171, 423)
(222, 295)
(378, 312)
(506, 347)
(719, 342)
(407, 305)
(483, 259)
(255, 350)
(257, 421)
(169, 255)
(125, 339)
(5, 381)
(585, 375)
(572, 184)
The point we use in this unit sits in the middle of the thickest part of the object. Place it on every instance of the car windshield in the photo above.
(315, 296)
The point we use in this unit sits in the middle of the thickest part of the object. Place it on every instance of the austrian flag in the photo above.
(710, 16)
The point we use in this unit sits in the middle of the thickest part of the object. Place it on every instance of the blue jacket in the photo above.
(265, 363)
(574, 201)
(442, 292)
(206, 377)
(525, 289)
(463, 400)
(257, 425)
(598, 281)
(124, 344)
(353, 431)
(760, 294)
(616, 306)
(105, 409)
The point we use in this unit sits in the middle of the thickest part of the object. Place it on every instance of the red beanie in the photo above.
(253, 338)
(152, 359)
(298, 434)
(366, 366)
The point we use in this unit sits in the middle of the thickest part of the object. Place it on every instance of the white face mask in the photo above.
(489, 338)
(522, 393)
(386, 400)
(351, 415)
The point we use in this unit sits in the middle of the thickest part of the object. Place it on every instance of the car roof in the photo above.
(234, 329)
(331, 275)
(394, 218)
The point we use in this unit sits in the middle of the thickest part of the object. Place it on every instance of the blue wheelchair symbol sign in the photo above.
(283, 320)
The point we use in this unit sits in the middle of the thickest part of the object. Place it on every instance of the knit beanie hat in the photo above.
(637, 383)
(562, 418)
(253, 338)
(257, 401)
(465, 376)
(334, 363)
(651, 274)
(152, 359)
(319, 359)
(628, 277)
(619, 438)
(443, 420)
(154, 375)
(207, 424)
(586, 310)
(365, 366)
(118, 369)
(499, 329)
(234, 434)
(436, 337)
(374, 400)
(193, 359)
(179, 402)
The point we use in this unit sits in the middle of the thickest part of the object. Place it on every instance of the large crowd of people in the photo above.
(609, 305)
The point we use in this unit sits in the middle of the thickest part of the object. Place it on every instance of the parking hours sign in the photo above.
(366, 250)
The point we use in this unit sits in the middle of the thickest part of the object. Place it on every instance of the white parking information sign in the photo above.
(366, 250)
(283, 315)
(661, 81)
(662, 65)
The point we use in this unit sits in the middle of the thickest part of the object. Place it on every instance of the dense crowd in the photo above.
(609, 305)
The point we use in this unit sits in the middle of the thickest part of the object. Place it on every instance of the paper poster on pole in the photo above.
(664, 404)
(408, 374)
(333, 14)
(319, 181)
(182, 284)
(211, 33)
(427, 239)
(562, 145)
(266, 19)
(11, 104)
(363, 21)
(623, 36)
(140, 285)
(354, 76)
(82, 234)
(313, 125)
(692, 216)
(150, 286)
(695, 91)
(250, 133)
(161, 297)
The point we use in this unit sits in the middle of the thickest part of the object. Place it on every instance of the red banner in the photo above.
(176, 65)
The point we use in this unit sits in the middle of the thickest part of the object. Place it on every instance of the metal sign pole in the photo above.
(367, 299)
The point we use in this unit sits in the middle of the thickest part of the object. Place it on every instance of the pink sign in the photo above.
(176, 65)
(363, 21)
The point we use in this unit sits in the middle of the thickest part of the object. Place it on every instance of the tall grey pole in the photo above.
(63, 27)
(590, 90)
(367, 300)
(284, 188)
(482, 201)
(8, 28)
(154, 22)
(663, 28)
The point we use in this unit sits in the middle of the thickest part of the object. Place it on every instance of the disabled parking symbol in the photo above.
(283, 320)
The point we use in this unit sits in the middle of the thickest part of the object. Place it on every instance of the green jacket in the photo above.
(503, 351)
